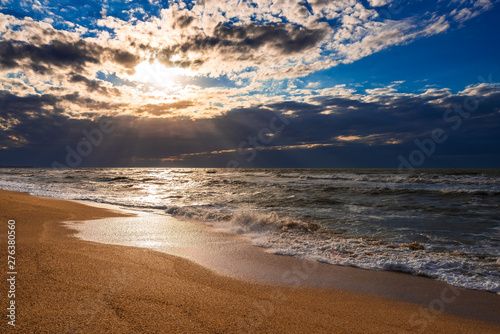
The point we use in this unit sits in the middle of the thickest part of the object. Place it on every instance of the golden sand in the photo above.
(66, 285)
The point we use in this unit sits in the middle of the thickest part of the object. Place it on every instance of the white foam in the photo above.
(267, 230)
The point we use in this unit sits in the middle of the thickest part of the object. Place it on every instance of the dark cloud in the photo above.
(75, 55)
(286, 39)
(12, 105)
(380, 131)
(38, 129)
(31, 120)
(61, 54)
(95, 86)
(25, 111)
(183, 21)
(124, 58)
(241, 42)
(91, 104)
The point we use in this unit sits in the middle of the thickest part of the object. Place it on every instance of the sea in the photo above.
(439, 223)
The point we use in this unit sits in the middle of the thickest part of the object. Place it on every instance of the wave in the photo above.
(243, 220)
(114, 179)
(250, 221)
(225, 182)
(457, 178)
(287, 236)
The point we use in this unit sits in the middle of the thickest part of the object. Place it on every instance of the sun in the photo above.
(157, 74)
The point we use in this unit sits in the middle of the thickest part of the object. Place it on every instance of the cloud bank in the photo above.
(185, 82)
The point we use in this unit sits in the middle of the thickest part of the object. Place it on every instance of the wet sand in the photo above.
(66, 285)
(234, 256)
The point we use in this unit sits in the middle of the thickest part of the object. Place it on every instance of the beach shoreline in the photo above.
(233, 255)
(69, 285)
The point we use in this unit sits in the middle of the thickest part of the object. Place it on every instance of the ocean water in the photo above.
(443, 224)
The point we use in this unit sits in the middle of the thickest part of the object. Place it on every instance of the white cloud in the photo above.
(378, 3)
(274, 40)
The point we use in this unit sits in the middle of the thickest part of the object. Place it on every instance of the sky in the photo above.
(310, 83)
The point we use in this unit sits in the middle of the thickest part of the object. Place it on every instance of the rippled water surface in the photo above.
(444, 224)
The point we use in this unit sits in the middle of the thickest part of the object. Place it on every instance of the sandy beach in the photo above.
(66, 285)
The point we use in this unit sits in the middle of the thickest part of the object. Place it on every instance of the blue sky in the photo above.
(354, 83)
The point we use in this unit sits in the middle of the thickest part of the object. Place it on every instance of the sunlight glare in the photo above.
(158, 74)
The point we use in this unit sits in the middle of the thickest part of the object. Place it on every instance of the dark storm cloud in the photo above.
(354, 134)
(30, 118)
(26, 111)
(60, 54)
(37, 129)
(240, 42)
(387, 127)
(291, 39)
(12, 105)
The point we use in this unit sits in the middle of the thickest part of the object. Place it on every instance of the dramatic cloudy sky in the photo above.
(310, 83)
